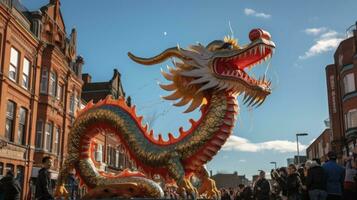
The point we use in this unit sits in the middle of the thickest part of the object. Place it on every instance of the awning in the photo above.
(35, 170)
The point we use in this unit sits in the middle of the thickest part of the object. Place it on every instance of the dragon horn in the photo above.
(168, 53)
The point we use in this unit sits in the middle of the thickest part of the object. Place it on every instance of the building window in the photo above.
(71, 104)
(53, 84)
(10, 167)
(56, 142)
(39, 131)
(59, 92)
(48, 136)
(349, 83)
(116, 158)
(26, 74)
(1, 168)
(99, 153)
(351, 119)
(44, 79)
(21, 132)
(20, 172)
(10, 117)
(76, 101)
(14, 64)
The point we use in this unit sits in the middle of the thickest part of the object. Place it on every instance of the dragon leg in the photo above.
(177, 172)
(208, 186)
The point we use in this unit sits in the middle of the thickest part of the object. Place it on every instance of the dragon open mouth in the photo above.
(233, 66)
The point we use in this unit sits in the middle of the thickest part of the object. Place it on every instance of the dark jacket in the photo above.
(293, 184)
(316, 178)
(335, 176)
(247, 194)
(262, 189)
(44, 189)
(10, 188)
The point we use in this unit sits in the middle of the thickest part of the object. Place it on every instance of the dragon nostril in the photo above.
(259, 33)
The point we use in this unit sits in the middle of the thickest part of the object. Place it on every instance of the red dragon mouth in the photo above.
(232, 67)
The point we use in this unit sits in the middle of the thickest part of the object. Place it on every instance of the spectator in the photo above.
(225, 195)
(350, 185)
(262, 187)
(302, 175)
(334, 176)
(293, 183)
(315, 181)
(9, 187)
(239, 192)
(44, 189)
(247, 193)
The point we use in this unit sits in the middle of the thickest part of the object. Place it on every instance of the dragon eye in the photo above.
(227, 46)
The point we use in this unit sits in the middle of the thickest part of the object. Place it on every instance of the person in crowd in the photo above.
(262, 187)
(239, 192)
(315, 180)
(334, 177)
(225, 195)
(293, 183)
(10, 187)
(247, 193)
(281, 176)
(350, 185)
(302, 175)
(44, 188)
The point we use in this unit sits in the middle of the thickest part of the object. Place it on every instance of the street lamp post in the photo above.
(297, 144)
(273, 163)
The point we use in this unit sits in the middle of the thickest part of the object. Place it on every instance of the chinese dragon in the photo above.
(209, 78)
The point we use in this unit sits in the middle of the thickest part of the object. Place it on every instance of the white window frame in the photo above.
(44, 81)
(52, 84)
(21, 132)
(349, 83)
(39, 134)
(10, 121)
(14, 64)
(351, 119)
(26, 73)
(48, 136)
(99, 153)
(56, 142)
(59, 92)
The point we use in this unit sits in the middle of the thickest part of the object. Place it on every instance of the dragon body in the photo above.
(209, 78)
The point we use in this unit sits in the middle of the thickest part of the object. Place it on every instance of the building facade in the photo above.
(319, 148)
(108, 153)
(342, 95)
(229, 180)
(40, 86)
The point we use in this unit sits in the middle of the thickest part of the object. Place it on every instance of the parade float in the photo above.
(208, 78)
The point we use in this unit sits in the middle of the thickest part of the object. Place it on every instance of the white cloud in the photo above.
(251, 12)
(327, 41)
(242, 160)
(315, 31)
(241, 144)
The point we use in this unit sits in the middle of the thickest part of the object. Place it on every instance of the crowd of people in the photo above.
(10, 188)
(308, 181)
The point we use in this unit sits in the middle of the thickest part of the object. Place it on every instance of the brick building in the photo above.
(109, 155)
(229, 180)
(320, 146)
(40, 86)
(342, 95)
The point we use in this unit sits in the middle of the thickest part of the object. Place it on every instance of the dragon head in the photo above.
(220, 66)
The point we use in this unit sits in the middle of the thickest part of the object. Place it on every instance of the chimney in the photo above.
(86, 78)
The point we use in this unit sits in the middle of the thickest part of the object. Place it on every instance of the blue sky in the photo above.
(305, 33)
